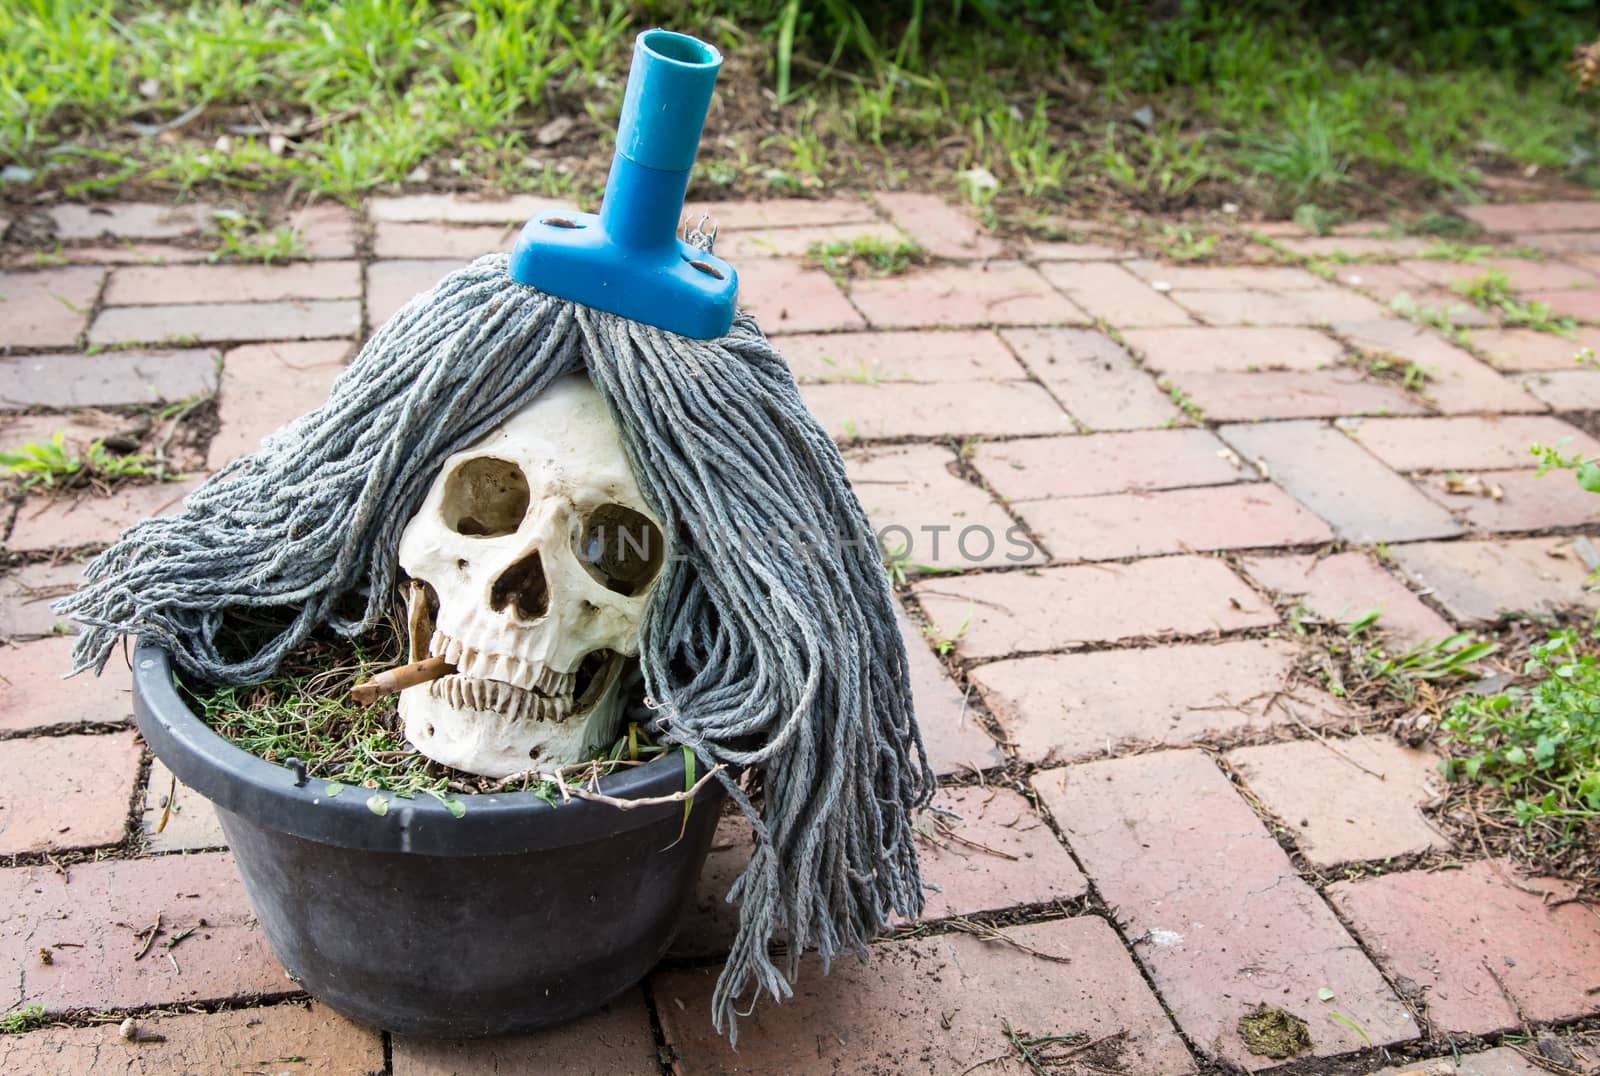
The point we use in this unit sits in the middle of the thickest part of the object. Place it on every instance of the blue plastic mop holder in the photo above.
(628, 259)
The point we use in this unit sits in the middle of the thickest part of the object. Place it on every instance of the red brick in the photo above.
(949, 409)
(1215, 909)
(954, 740)
(780, 213)
(87, 519)
(126, 252)
(26, 594)
(791, 298)
(798, 242)
(1501, 1061)
(227, 322)
(923, 356)
(926, 515)
(102, 907)
(33, 695)
(46, 309)
(1456, 381)
(1277, 229)
(1243, 516)
(938, 227)
(1114, 295)
(78, 428)
(1065, 707)
(616, 1040)
(60, 792)
(1097, 381)
(996, 293)
(1349, 800)
(1371, 226)
(1085, 465)
(1478, 582)
(157, 285)
(1527, 502)
(238, 1040)
(1228, 277)
(1534, 216)
(455, 209)
(937, 1004)
(1455, 933)
(1465, 442)
(1388, 282)
(1036, 250)
(1566, 243)
(135, 220)
(1240, 350)
(994, 854)
(109, 380)
(1567, 390)
(998, 614)
(191, 821)
(1583, 305)
(1362, 499)
(1343, 587)
(266, 386)
(1356, 246)
(1276, 308)
(392, 284)
(1522, 274)
(1527, 349)
(326, 230)
(998, 854)
(1230, 397)
(466, 242)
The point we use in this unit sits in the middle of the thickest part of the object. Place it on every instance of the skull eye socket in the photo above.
(621, 548)
(485, 498)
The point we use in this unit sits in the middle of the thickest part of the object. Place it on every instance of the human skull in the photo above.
(531, 560)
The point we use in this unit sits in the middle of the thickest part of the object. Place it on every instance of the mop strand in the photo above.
(770, 644)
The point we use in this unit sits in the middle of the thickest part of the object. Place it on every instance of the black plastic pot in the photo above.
(517, 915)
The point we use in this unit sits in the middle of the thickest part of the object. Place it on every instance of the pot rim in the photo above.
(277, 797)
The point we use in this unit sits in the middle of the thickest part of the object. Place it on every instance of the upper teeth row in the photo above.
(474, 663)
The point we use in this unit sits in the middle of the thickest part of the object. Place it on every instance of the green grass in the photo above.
(1384, 366)
(1491, 291)
(49, 464)
(241, 238)
(26, 1018)
(1540, 745)
(870, 253)
(304, 711)
(1279, 104)
(335, 97)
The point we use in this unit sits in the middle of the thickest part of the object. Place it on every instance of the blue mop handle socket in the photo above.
(628, 259)
(663, 113)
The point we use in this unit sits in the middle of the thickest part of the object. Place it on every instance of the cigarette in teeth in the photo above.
(394, 681)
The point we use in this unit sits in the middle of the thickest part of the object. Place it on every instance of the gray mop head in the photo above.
(779, 655)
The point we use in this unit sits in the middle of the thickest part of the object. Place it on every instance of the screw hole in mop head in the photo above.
(706, 268)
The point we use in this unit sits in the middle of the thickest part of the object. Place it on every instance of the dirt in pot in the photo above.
(304, 711)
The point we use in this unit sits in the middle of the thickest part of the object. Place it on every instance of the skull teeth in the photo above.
(492, 682)
(467, 693)
(550, 682)
(514, 672)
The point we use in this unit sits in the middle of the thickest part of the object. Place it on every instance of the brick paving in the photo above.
(1178, 462)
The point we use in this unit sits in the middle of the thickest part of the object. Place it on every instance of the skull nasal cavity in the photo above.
(522, 586)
